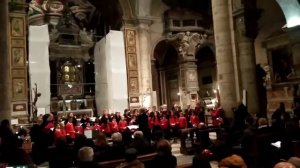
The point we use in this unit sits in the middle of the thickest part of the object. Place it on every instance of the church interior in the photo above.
(229, 63)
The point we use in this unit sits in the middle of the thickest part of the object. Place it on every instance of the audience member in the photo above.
(85, 157)
(131, 160)
(140, 143)
(164, 157)
(284, 165)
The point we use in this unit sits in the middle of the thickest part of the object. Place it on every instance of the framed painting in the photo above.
(19, 106)
(130, 37)
(132, 61)
(17, 26)
(133, 85)
(18, 56)
(19, 89)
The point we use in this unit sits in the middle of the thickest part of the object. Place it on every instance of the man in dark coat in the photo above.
(142, 121)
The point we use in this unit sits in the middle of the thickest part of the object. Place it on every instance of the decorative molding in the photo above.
(132, 64)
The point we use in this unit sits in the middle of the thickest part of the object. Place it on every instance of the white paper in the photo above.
(14, 121)
(213, 135)
(88, 134)
(133, 127)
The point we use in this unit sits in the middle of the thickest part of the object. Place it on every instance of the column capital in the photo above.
(144, 22)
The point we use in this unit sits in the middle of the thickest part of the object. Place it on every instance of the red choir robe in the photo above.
(150, 123)
(114, 126)
(156, 121)
(59, 133)
(164, 123)
(194, 120)
(122, 125)
(79, 129)
(132, 122)
(216, 117)
(106, 128)
(182, 122)
(173, 121)
(70, 130)
(98, 127)
(49, 127)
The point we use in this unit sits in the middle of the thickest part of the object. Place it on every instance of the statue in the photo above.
(86, 37)
(35, 8)
(188, 42)
(35, 99)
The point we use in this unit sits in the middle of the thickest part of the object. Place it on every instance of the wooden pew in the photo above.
(146, 159)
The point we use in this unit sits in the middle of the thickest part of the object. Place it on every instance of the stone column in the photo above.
(247, 63)
(5, 84)
(144, 57)
(224, 55)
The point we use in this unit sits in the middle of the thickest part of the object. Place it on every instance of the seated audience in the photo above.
(131, 160)
(101, 148)
(85, 157)
(232, 161)
(295, 161)
(164, 157)
(202, 159)
(61, 156)
(284, 165)
(117, 149)
(140, 143)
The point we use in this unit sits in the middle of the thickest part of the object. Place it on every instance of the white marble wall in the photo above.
(39, 68)
(110, 73)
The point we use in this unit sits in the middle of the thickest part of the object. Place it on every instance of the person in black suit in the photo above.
(142, 121)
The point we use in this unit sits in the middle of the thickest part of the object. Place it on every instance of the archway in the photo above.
(166, 74)
(207, 75)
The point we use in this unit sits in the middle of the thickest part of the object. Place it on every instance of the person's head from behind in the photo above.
(130, 154)
(233, 161)
(295, 161)
(138, 135)
(116, 138)
(101, 140)
(142, 111)
(284, 165)
(86, 154)
(164, 148)
(61, 142)
(262, 122)
(5, 124)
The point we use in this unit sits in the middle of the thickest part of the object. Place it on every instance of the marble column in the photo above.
(224, 55)
(145, 58)
(5, 83)
(247, 63)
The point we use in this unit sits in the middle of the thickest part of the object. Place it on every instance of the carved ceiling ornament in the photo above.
(187, 43)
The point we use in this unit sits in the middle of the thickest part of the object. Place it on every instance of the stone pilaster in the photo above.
(17, 34)
(246, 60)
(144, 57)
(5, 84)
(224, 55)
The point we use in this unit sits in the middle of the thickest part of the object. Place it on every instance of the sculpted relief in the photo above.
(187, 42)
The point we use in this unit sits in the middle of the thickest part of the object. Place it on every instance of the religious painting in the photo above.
(130, 37)
(131, 49)
(18, 56)
(19, 106)
(282, 64)
(17, 27)
(17, 43)
(19, 88)
(18, 73)
(134, 100)
(132, 63)
(133, 85)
